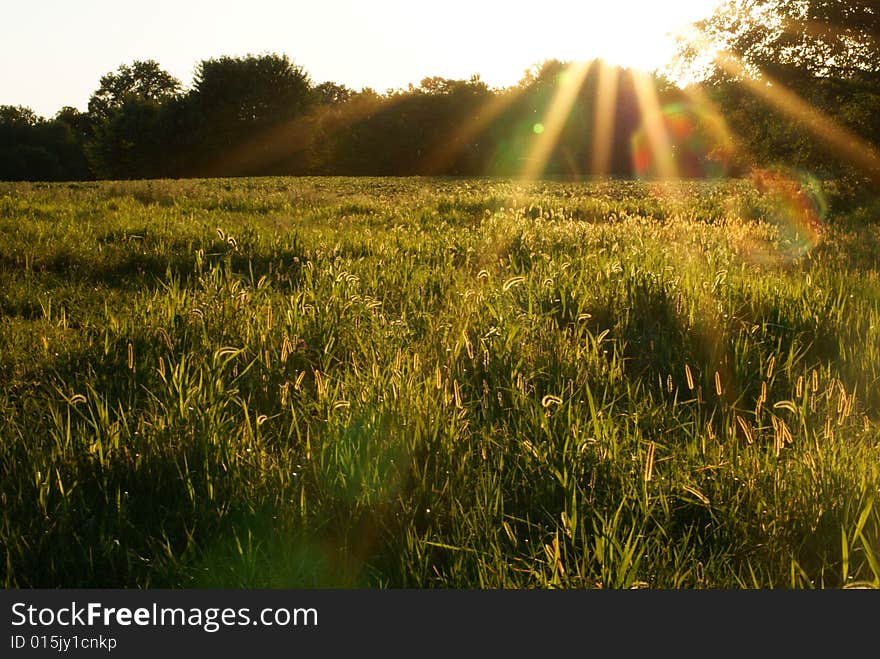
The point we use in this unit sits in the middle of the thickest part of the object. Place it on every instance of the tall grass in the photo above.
(435, 383)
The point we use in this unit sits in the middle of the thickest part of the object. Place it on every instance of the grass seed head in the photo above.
(649, 462)
(746, 428)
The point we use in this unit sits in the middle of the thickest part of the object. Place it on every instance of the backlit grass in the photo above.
(436, 383)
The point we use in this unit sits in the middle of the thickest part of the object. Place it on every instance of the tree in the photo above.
(68, 133)
(799, 38)
(128, 143)
(18, 116)
(33, 149)
(329, 93)
(253, 89)
(240, 99)
(21, 159)
(825, 54)
(80, 122)
(123, 141)
(143, 81)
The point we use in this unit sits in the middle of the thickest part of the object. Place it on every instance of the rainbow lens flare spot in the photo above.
(795, 203)
(699, 143)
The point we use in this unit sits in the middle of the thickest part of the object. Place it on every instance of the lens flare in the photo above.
(795, 204)
(697, 147)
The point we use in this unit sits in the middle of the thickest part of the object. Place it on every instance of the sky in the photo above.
(54, 52)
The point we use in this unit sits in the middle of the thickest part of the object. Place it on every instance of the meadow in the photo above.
(432, 383)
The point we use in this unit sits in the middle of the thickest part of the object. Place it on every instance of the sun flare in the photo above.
(634, 34)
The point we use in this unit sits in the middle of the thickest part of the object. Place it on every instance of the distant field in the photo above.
(438, 383)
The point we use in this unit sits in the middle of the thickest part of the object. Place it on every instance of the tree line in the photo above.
(263, 115)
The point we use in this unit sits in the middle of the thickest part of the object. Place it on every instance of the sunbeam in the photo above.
(450, 146)
(653, 130)
(699, 141)
(603, 132)
(714, 122)
(847, 143)
(568, 86)
(295, 136)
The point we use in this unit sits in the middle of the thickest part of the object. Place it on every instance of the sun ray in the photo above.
(849, 145)
(549, 130)
(282, 140)
(603, 130)
(451, 145)
(713, 120)
(653, 126)
(793, 203)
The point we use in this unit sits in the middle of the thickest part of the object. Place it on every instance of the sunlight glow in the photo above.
(638, 34)
(797, 208)
(714, 123)
(699, 140)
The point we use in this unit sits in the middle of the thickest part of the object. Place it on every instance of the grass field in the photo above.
(438, 383)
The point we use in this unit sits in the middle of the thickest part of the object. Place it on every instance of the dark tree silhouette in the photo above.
(32, 148)
(329, 93)
(261, 114)
(80, 122)
(17, 116)
(125, 140)
(241, 98)
(142, 81)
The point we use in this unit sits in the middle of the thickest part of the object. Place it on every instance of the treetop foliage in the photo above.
(824, 38)
(252, 88)
(821, 54)
(141, 81)
(11, 115)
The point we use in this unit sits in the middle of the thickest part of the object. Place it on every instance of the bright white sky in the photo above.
(53, 52)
